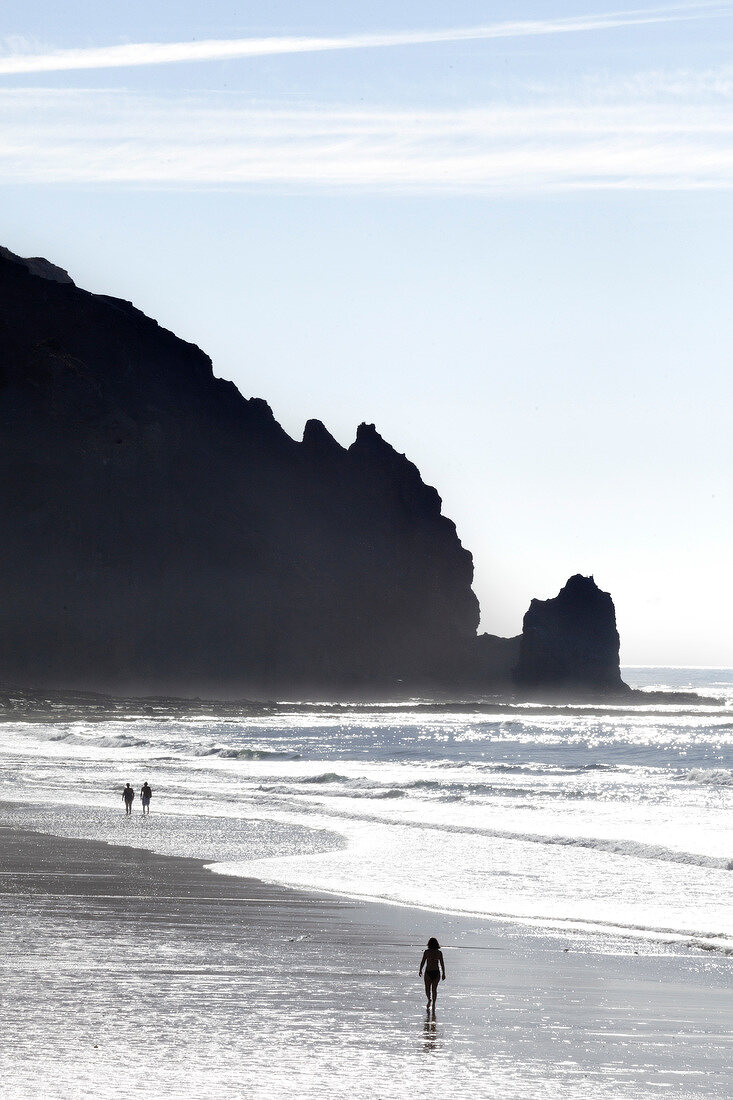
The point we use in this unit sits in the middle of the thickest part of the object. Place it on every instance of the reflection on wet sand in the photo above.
(430, 1033)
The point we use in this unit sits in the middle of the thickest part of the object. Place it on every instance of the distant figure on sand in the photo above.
(128, 796)
(146, 794)
(432, 962)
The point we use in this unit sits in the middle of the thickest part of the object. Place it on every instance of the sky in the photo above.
(501, 232)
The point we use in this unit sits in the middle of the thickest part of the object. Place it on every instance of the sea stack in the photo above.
(571, 642)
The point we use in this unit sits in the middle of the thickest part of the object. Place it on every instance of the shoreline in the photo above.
(103, 824)
(517, 1004)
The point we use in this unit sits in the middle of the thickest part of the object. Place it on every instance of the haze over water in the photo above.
(595, 822)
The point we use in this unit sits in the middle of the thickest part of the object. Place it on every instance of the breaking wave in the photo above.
(326, 777)
(715, 777)
(103, 741)
(247, 754)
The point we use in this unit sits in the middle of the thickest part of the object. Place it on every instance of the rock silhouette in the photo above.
(160, 532)
(571, 640)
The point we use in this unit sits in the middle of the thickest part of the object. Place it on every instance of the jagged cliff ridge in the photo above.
(571, 640)
(157, 530)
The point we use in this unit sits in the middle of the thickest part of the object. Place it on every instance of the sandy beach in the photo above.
(126, 969)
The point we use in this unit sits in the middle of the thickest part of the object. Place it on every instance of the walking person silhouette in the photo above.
(432, 963)
(145, 795)
(128, 796)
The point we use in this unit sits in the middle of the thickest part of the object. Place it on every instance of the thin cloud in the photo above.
(157, 53)
(209, 142)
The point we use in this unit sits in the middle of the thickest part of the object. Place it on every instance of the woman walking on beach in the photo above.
(145, 795)
(432, 962)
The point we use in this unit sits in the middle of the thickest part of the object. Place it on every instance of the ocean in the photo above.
(612, 825)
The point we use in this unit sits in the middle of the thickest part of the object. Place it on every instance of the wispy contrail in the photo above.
(164, 53)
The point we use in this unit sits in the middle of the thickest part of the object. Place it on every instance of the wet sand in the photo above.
(126, 970)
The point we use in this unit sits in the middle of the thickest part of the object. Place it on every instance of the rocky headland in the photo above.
(160, 532)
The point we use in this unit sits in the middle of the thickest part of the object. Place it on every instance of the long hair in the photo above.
(433, 944)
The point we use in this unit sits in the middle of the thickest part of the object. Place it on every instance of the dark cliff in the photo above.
(571, 641)
(159, 530)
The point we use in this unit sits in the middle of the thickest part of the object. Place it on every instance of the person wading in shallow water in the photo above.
(128, 796)
(432, 962)
(145, 795)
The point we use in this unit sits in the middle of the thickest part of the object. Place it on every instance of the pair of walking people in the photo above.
(128, 797)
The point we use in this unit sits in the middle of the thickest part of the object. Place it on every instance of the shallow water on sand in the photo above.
(152, 977)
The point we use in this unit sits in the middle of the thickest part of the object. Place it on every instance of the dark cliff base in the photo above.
(65, 706)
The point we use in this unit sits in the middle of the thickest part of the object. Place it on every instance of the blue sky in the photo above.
(501, 232)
